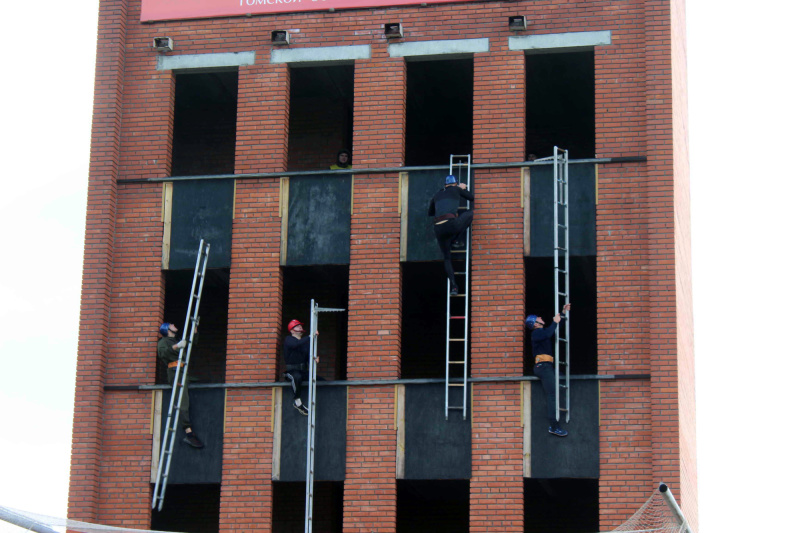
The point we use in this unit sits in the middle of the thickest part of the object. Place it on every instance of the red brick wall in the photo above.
(640, 258)
(87, 442)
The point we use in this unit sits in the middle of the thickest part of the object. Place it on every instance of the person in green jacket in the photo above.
(168, 351)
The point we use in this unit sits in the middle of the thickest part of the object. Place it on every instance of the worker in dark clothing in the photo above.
(450, 227)
(295, 354)
(542, 344)
(342, 161)
(168, 350)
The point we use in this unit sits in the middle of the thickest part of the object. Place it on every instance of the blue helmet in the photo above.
(164, 329)
(530, 320)
(450, 180)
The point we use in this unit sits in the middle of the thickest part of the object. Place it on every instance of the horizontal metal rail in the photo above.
(369, 382)
(380, 170)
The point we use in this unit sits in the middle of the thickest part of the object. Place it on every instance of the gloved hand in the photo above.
(180, 344)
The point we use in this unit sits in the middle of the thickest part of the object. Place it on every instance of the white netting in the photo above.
(654, 516)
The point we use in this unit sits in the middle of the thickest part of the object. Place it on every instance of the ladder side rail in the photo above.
(447, 355)
(556, 262)
(567, 369)
(312, 352)
(467, 251)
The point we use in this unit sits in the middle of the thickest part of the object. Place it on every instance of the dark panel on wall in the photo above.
(578, 454)
(423, 332)
(198, 465)
(319, 220)
(201, 210)
(289, 506)
(435, 448)
(432, 506)
(582, 238)
(422, 185)
(189, 508)
(562, 505)
(331, 435)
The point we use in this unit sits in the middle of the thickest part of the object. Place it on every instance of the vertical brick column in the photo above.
(661, 252)
(497, 291)
(255, 298)
(373, 347)
(84, 492)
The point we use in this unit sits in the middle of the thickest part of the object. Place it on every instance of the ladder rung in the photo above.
(562, 226)
(454, 317)
(563, 409)
(562, 270)
(457, 295)
(456, 340)
(563, 294)
(456, 384)
(560, 248)
(457, 362)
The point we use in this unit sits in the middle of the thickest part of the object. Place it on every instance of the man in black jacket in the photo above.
(450, 227)
(295, 354)
(541, 342)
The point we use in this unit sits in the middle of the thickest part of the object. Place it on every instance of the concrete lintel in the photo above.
(578, 39)
(321, 54)
(439, 48)
(228, 59)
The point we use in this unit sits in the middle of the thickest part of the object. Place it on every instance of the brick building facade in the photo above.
(227, 102)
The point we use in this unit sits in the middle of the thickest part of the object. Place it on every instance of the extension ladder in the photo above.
(312, 408)
(561, 275)
(456, 368)
(171, 427)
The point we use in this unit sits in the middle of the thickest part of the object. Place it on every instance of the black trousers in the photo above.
(547, 374)
(445, 235)
(296, 378)
(183, 414)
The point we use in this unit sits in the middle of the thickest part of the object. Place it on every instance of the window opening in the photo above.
(288, 506)
(561, 505)
(432, 506)
(190, 508)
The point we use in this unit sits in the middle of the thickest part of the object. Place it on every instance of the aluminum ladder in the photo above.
(457, 367)
(171, 427)
(561, 275)
(312, 409)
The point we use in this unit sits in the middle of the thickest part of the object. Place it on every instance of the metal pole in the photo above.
(23, 521)
(673, 505)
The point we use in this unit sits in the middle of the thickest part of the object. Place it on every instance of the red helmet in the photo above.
(293, 324)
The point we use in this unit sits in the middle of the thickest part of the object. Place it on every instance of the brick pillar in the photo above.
(661, 252)
(373, 348)
(84, 491)
(497, 291)
(255, 298)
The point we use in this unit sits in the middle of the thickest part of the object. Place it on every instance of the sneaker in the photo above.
(301, 408)
(193, 441)
(454, 291)
(558, 432)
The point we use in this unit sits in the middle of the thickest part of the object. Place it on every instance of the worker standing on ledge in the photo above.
(450, 227)
(342, 161)
(168, 350)
(541, 342)
(295, 355)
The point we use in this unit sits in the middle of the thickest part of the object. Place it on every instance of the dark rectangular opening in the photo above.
(204, 130)
(189, 508)
(432, 506)
(329, 287)
(560, 103)
(562, 505)
(288, 507)
(207, 362)
(424, 322)
(320, 115)
(539, 300)
(438, 111)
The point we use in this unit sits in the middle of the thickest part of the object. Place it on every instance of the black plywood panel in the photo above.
(576, 455)
(421, 241)
(201, 209)
(331, 433)
(198, 465)
(582, 237)
(435, 448)
(319, 220)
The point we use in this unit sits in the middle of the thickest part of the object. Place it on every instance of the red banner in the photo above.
(185, 9)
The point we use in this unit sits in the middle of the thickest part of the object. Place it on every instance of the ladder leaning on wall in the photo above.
(178, 384)
(561, 275)
(456, 347)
